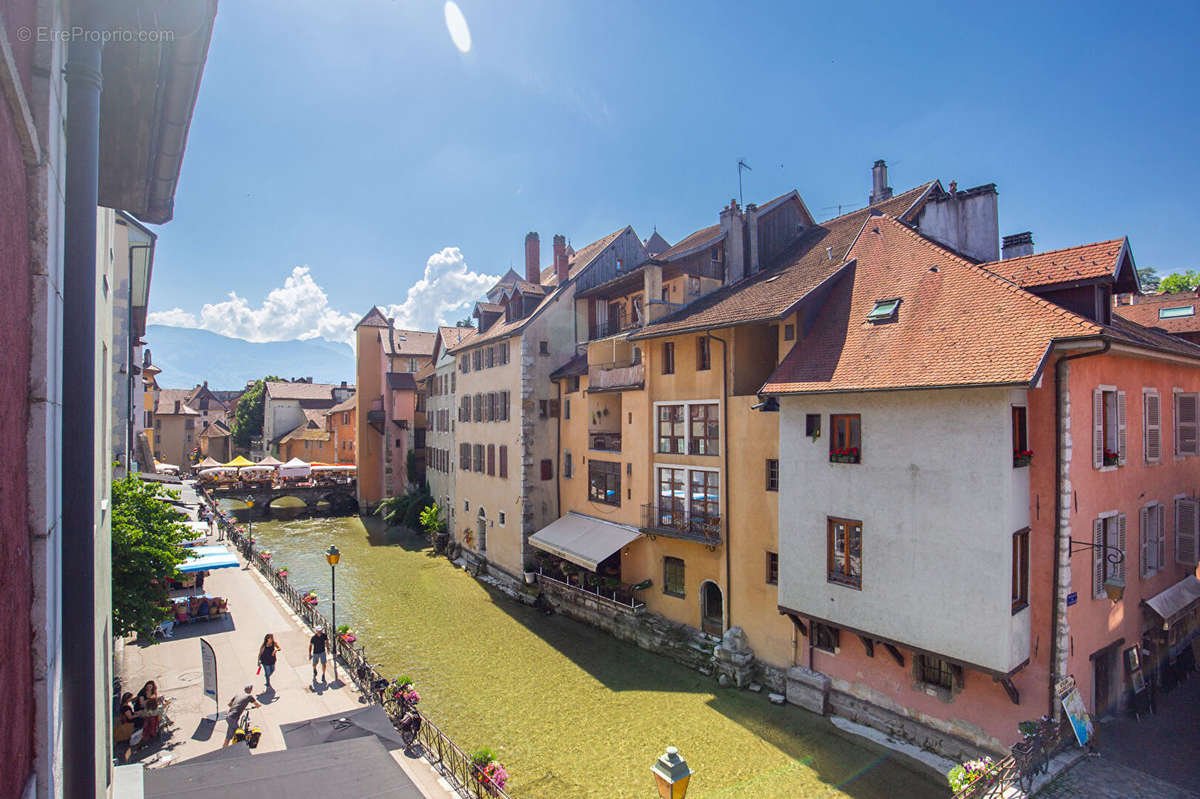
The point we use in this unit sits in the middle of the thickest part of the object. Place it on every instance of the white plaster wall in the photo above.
(441, 484)
(280, 417)
(939, 500)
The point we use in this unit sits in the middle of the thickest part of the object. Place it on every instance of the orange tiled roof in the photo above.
(771, 292)
(406, 342)
(1085, 262)
(167, 398)
(705, 237)
(957, 324)
(1146, 312)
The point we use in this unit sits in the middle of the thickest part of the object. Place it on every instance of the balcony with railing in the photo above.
(616, 376)
(605, 442)
(616, 321)
(676, 522)
(376, 416)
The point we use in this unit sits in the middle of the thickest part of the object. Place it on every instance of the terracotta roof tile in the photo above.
(1146, 312)
(287, 390)
(957, 324)
(705, 237)
(167, 398)
(346, 405)
(771, 292)
(407, 342)
(1085, 262)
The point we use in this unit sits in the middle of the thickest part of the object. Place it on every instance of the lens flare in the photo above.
(456, 23)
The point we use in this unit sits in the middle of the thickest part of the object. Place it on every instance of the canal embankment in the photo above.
(570, 710)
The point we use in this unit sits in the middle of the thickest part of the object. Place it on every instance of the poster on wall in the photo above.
(1072, 704)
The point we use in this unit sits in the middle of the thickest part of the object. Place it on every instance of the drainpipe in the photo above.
(1057, 614)
(725, 477)
(79, 641)
(558, 453)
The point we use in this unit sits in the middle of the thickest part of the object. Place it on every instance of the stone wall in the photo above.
(944, 743)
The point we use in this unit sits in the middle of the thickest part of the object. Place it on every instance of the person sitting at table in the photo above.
(146, 703)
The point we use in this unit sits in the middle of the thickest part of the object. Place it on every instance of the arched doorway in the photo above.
(481, 530)
(712, 609)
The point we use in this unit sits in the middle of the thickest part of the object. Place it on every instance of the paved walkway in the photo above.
(1098, 777)
(254, 610)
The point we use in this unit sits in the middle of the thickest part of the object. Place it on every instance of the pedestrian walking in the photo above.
(316, 651)
(266, 657)
(237, 708)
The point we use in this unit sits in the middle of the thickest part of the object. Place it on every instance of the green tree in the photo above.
(248, 415)
(147, 546)
(1149, 278)
(432, 520)
(405, 510)
(464, 323)
(1179, 281)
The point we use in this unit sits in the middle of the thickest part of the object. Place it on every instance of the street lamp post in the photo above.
(333, 556)
(671, 774)
(250, 515)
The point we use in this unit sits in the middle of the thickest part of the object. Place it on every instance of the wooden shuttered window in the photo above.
(1122, 437)
(1152, 426)
(1097, 429)
(1153, 539)
(1109, 439)
(1187, 513)
(1185, 423)
(464, 457)
(547, 469)
(504, 460)
(491, 459)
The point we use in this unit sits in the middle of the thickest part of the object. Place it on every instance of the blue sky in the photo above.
(353, 138)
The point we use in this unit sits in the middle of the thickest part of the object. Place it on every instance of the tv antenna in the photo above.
(740, 166)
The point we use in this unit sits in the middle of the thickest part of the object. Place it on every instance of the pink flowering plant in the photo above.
(967, 774)
(492, 773)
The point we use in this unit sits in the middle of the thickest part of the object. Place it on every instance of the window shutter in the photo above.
(1098, 559)
(1121, 437)
(1185, 424)
(1161, 524)
(1185, 532)
(1147, 541)
(1152, 438)
(1119, 568)
(1097, 428)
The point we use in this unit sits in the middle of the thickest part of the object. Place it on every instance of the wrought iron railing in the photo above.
(1029, 757)
(451, 761)
(677, 522)
(610, 326)
(621, 595)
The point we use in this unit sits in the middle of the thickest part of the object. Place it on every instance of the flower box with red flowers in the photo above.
(844, 455)
(1022, 457)
(1111, 457)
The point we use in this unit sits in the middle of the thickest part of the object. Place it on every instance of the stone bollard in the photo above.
(808, 689)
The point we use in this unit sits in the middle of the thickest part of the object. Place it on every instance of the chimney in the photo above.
(176, 406)
(1016, 245)
(561, 269)
(732, 223)
(533, 258)
(391, 321)
(880, 190)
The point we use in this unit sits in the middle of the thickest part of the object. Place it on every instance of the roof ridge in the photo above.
(1060, 249)
(923, 187)
(1000, 279)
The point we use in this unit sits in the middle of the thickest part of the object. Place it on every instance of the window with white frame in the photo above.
(1186, 407)
(692, 428)
(1108, 539)
(1108, 427)
(1153, 538)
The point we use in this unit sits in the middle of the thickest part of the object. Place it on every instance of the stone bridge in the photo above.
(341, 498)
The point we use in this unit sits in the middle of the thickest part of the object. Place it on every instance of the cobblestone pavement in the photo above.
(1097, 777)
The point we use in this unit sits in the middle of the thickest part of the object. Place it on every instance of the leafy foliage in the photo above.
(147, 546)
(432, 520)
(405, 510)
(248, 415)
(1179, 281)
(468, 322)
(1149, 278)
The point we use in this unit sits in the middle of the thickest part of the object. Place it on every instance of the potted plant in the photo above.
(1111, 457)
(492, 774)
(344, 633)
(844, 455)
(282, 571)
(1022, 457)
(568, 568)
(530, 574)
(310, 598)
(963, 776)
(265, 555)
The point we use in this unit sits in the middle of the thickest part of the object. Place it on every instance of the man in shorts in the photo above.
(237, 708)
(316, 651)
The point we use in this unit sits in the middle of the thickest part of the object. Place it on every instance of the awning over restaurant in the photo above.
(205, 559)
(208, 463)
(1176, 600)
(583, 540)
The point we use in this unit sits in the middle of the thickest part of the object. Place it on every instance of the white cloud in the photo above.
(300, 309)
(443, 295)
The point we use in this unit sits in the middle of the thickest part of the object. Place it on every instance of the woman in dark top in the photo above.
(147, 703)
(127, 723)
(266, 656)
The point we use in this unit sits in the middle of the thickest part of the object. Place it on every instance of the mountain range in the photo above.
(188, 356)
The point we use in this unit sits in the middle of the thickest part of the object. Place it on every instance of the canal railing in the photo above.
(450, 760)
(622, 596)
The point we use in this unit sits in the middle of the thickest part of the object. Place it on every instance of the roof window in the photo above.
(884, 311)
(1176, 312)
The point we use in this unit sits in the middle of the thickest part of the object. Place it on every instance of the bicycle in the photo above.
(1032, 755)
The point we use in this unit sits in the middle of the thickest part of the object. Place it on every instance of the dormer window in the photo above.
(1177, 312)
(884, 311)
(714, 254)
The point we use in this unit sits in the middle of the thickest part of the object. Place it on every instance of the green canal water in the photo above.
(572, 713)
